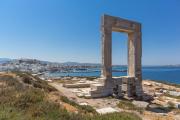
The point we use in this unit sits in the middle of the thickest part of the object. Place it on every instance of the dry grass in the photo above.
(21, 100)
(127, 105)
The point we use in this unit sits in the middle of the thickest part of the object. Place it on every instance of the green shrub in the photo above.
(88, 108)
(27, 80)
(125, 104)
(29, 97)
(66, 100)
(43, 85)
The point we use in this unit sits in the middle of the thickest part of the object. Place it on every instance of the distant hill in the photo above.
(35, 61)
(4, 60)
(79, 64)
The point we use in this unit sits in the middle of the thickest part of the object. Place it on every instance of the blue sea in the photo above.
(166, 74)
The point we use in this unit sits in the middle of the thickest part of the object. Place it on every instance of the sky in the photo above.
(69, 30)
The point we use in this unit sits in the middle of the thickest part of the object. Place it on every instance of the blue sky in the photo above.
(69, 30)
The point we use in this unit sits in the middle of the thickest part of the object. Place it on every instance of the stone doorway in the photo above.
(132, 83)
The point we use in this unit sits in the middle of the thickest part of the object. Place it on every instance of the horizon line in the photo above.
(86, 62)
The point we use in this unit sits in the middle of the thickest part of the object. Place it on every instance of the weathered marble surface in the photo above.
(134, 78)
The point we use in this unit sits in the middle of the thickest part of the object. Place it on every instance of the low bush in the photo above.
(88, 108)
(43, 85)
(125, 104)
(27, 78)
(28, 98)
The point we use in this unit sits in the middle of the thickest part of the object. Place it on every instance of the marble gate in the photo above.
(133, 81)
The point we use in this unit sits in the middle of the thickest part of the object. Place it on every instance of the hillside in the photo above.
(25, 97)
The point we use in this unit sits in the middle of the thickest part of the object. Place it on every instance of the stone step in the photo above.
(97, 86)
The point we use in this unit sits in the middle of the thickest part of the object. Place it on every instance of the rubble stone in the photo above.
(140, 104)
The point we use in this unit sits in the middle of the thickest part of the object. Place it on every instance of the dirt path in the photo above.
(96, 103)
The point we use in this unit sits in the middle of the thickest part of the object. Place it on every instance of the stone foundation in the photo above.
(119, 87)
(99, 90)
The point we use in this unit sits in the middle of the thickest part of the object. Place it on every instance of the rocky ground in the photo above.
(163, 100)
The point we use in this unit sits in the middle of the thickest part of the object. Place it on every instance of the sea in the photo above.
(168, 74)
